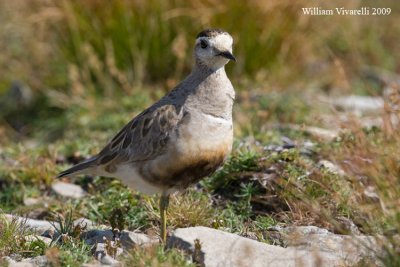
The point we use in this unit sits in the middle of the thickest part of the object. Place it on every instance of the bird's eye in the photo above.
(203, 44)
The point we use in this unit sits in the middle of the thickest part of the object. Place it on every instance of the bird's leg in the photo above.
(164, 201)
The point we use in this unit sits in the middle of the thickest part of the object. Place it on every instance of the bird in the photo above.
(184, 137)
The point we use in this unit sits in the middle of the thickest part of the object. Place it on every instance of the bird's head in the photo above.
(213, 48)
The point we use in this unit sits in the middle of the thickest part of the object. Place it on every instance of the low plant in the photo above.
(117, 205)
(16, 238)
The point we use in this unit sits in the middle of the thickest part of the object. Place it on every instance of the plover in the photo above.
(180, 139)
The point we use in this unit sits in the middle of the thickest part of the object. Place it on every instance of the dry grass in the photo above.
(371, 159)
(191, 209)
(156, 256)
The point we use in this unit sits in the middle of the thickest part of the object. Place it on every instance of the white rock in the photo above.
(30, 201)
(325, 134)
(224, 249)
(359, 103)
(68, 190)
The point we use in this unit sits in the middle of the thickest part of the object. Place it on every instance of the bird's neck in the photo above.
(208, 80)
(202, 70)
(213, 92)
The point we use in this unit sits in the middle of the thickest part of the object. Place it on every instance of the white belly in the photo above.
(131, 178)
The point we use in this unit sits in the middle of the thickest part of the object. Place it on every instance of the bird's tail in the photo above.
(80, 168)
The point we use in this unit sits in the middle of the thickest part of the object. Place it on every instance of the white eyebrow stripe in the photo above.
(224, 40)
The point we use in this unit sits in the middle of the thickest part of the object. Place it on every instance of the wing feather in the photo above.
(143, 138)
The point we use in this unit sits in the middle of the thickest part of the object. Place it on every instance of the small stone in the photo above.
(68, 190)
(30, 201)
(360, 104)
(330, 166)
(110, 261)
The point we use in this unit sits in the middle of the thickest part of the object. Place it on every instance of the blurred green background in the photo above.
(65, 62)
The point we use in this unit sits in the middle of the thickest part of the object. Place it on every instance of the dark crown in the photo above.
(210, 33)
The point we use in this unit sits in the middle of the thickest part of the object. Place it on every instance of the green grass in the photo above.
(72, 252)
(75, 254)
(117, 206)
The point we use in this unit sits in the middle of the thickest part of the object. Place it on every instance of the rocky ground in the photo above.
(300, 246)
(307, 241)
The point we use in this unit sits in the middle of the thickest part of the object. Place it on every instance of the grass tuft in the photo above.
(14, 239)
(157, 256)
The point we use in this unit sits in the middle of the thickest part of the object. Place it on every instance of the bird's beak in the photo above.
(228, 55)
